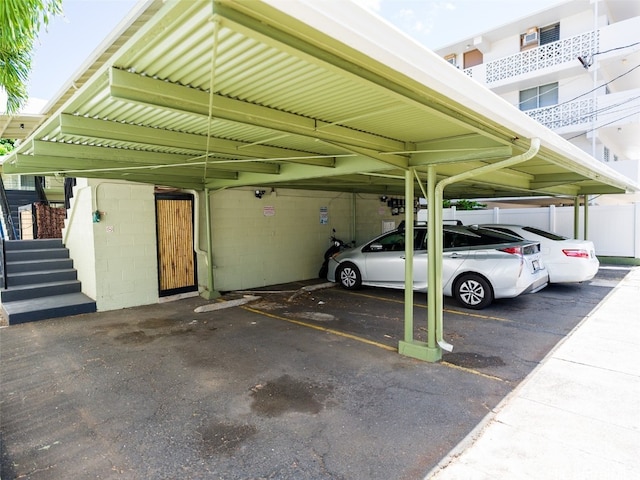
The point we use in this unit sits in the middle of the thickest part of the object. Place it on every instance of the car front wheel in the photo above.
(473, 291)
(349, 276)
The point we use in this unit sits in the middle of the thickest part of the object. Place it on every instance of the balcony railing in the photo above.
(548, 55)
(612, 109)
(562, 115)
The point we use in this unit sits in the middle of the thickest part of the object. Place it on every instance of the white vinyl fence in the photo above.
(614, 229)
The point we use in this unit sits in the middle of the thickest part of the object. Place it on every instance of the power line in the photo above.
(603, 85)
(604, 125)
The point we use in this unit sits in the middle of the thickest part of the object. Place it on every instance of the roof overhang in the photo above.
(20, 126)
(227, 93)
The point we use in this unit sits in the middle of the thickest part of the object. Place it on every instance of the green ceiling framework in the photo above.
(225, 94)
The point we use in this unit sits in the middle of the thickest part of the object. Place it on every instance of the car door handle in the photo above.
(454, 255)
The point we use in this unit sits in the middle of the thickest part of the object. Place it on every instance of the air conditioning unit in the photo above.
(530, 37)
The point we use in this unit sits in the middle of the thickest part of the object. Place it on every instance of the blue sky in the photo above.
(69, 40)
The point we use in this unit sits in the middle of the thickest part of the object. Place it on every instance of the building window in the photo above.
(550, 34)
(451, 58)
(538, 97)
(535, 36)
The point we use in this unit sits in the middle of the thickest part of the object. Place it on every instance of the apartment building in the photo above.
(574, 67)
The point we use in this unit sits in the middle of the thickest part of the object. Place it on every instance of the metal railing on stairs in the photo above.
(3, 264)
(6, 213)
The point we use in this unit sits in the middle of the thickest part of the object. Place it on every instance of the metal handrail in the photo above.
(4, 264)
(6, 213)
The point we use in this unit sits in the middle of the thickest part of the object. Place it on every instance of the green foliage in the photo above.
(6, 146)
(463, 204)
(20, 23)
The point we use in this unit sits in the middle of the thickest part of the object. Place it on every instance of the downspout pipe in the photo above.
(436, 231)
(210, 292)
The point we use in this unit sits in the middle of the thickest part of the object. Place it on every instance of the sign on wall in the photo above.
(324, 215)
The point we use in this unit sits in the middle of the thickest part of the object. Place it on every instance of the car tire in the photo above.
(349, 276)
(473, 291)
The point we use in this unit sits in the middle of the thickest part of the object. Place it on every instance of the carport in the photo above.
(210, 95)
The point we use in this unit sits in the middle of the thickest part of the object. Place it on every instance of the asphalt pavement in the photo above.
(310, 386)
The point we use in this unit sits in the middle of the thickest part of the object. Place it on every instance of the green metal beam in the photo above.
(92, 128)
(131, 87)
(293, 172)
(130, 156)
(52, 165)
(459, 155)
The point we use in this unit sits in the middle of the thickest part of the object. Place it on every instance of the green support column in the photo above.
(576, 217)
(585, 224)
(210, 293)
(429, 351)
(408, 254)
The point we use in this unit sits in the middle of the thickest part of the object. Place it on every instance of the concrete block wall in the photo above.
(125, 245)
(116, 258)
(278, 238)
(77, 236)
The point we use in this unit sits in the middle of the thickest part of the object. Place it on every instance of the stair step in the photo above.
(33, 278)
(42, 282)
(36, 254)
(48, 307)
(39, 265)
(26, 292)
(37, 244)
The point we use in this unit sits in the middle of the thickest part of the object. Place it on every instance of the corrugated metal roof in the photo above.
(290, 94)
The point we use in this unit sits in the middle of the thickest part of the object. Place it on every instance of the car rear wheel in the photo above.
(473, 291)
(349, 276)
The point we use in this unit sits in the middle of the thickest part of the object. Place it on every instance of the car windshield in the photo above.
(455, 237)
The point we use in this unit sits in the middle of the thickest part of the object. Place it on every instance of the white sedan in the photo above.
(567, 260)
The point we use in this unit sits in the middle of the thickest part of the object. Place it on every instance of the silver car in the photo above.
(478, 265)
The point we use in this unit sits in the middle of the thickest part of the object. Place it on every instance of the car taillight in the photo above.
(575, 253)
(512, 250)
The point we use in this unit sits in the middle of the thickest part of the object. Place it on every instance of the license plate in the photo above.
(536, 265)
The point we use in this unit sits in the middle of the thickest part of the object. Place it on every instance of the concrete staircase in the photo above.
(42, 282)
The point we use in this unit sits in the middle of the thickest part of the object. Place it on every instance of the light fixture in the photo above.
(259, 193)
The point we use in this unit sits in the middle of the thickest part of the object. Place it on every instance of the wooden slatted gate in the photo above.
(176, 256)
